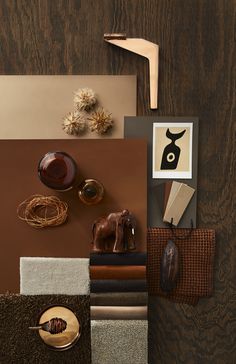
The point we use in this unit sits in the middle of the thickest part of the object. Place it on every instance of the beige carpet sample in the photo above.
(119, 341)
(42, 276)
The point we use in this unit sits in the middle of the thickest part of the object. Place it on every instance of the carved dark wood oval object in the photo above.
(169, 267)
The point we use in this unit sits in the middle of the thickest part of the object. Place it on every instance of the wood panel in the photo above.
(197, 78)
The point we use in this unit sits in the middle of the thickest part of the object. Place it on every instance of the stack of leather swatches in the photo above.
(118, 280)
(118, 307)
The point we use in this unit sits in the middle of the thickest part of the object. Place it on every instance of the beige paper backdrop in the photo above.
(161, 141)
(32, 107)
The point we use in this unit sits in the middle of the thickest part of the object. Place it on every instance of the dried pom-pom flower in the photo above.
(84, 99)
(74, 123)
(100, 121)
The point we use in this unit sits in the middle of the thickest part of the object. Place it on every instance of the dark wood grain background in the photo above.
(197, 78)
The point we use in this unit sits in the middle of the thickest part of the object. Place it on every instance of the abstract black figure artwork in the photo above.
(172, 150)
(114, 233)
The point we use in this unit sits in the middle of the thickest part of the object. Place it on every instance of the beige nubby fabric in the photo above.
(41, 276)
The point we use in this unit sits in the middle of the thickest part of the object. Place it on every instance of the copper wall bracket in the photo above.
(146, 49)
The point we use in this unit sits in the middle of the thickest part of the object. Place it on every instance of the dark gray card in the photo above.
(142, 127)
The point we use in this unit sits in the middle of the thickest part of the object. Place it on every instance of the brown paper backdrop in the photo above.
(119, 164)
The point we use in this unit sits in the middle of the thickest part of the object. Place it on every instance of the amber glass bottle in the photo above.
(57, 170)
(91, 191)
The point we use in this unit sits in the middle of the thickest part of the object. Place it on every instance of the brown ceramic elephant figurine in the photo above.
(114, 233)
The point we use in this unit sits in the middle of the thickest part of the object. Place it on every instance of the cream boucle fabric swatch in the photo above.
(41, 276)
(119, 341)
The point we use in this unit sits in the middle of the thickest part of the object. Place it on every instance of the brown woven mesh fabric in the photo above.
(196, 252)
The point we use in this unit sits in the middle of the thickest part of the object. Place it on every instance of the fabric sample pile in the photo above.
(115, 276)
(119, 308)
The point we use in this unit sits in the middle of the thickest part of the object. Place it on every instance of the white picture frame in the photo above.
(170, 152)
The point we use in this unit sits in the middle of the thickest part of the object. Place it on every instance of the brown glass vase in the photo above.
(57, 170)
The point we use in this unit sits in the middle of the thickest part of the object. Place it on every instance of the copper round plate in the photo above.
(68, 337)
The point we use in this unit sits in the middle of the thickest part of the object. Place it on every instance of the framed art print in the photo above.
(172, 150)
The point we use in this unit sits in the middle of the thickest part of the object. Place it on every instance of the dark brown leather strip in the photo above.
(117, 272)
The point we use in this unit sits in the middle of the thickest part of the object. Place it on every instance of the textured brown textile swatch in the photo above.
(196, 251)
(20, 345)
(117, 272)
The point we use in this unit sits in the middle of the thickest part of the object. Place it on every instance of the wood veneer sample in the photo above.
(166, 194)
(41, 102)
(178, 202)
(119, 164)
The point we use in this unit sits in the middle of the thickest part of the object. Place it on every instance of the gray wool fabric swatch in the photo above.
(42, 276)
(119, 341)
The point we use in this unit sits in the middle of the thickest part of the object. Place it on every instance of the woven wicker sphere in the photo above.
(74, 123)
(100, 121)
(84, 99)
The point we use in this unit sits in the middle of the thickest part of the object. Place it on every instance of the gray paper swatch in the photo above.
(142, 127)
